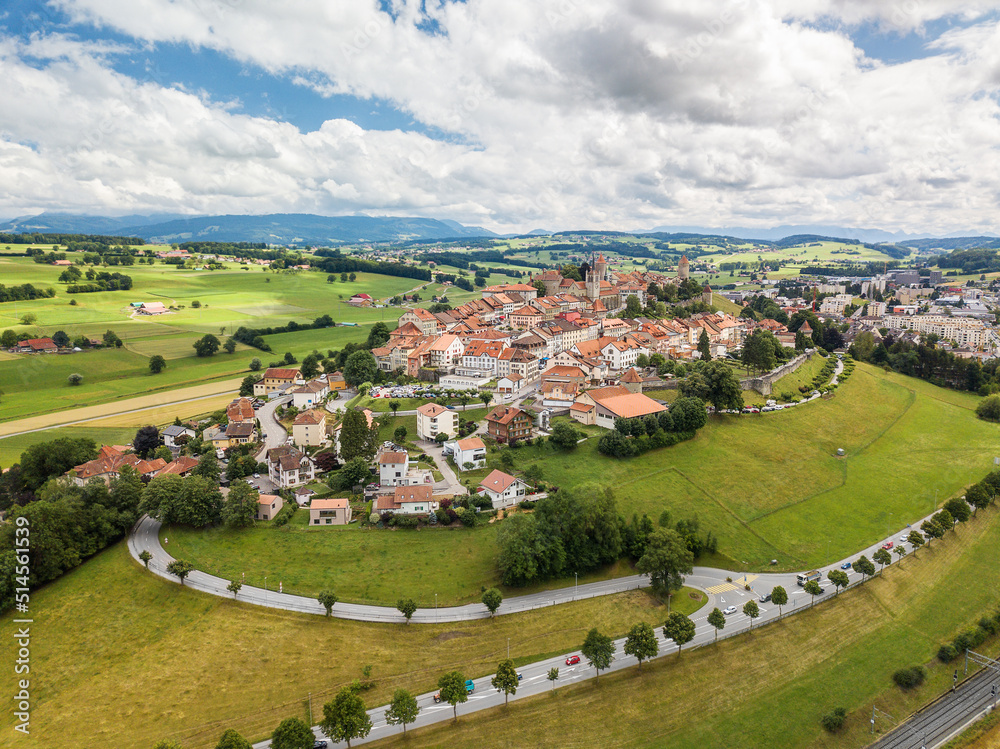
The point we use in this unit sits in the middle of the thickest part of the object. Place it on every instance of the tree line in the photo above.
(332, 261)
(66, 239)
(24, 292)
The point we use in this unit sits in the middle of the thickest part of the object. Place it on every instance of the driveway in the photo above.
(451, 483)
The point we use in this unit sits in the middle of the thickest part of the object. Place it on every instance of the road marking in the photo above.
(724, 587)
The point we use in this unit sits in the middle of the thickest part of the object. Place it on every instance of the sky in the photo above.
(512, 115)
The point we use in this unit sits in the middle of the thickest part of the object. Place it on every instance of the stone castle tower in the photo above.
(683, 268)
(706, 295)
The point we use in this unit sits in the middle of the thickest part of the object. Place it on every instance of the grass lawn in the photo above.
(157, 660)
(770, 689)
(789, 383)
(361, 565)
(769, 486)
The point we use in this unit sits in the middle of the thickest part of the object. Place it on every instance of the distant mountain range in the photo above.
(311, 229)
(841, 232)
(277, 228)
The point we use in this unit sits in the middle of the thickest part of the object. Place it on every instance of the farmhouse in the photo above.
(276, 378)
(37, 346)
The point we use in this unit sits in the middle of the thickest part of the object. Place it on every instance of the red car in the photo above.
(887, 545)
(572, 659)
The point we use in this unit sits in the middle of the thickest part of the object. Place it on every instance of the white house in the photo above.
(503, 489)
(433, 420)
(406, 500)
(310, 394)
(172, 432)
(470, 450)
(392, 468)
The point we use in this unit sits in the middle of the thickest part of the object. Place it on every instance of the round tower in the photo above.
(683, 268)
(706, 295)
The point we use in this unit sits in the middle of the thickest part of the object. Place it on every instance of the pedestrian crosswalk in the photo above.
(739, 582)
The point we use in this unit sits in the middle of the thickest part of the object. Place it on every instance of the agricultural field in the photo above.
(157, 660)
(229, 298)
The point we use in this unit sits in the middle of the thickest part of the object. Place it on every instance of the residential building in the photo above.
(406, 500)
(503, 489)
(469, 450)
(392, 468)
(268, 506)
(611, 403)
(240, 410)
(519, 362)
(446, 351)
(287, 467)
(433, 420)
(310, 394)
(329, 512)
(276, 378)
(509, 423)
(241, 433)
(510, 384)
(181, 466)
(309, 428)
(173, 432)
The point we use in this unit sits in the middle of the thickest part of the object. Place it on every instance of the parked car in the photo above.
(765, 598)
(256, 475)
(729, 610)
(320, 744)
(887, 545)
(846, 566)
(572, 659)
(904, 538)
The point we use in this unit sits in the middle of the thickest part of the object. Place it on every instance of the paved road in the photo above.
(274, 434)
(943, 719)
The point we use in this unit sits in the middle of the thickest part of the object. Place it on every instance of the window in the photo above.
(328, 521)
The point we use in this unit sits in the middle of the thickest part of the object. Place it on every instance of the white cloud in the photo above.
(568, 113)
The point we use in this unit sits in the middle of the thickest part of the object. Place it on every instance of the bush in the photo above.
(442, 516)
(908, 678)
(75, 379)
(284, 514)
(468, 518)
(834, 720)
(405, 521)
(947, 653)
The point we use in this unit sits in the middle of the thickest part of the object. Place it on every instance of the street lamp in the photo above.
(265, 590)
(435, 607)
(508, 648)
(576, 584)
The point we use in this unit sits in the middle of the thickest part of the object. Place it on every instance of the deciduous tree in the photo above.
(327, 599)
(146, 440)
(145, 557)
(180, 568)
(813, 589)
(345, 717)
(916, 540)
(666, 560)
(599, 650)
(406, 607)
(641, 642)
(505, 679)
(240, 507)
(234, 587)
(863, 565)
(752, 610)
(157, 364)
(718, 620)
(451, 687)
(883, 558)
(839, 579)
(680, 629)
(553, 676)
(231, 739)
(402, 710)
(207, 345)
(492, 598)
(292, 733)
(779, 597)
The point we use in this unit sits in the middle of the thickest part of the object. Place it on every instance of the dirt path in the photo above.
(126, 405)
